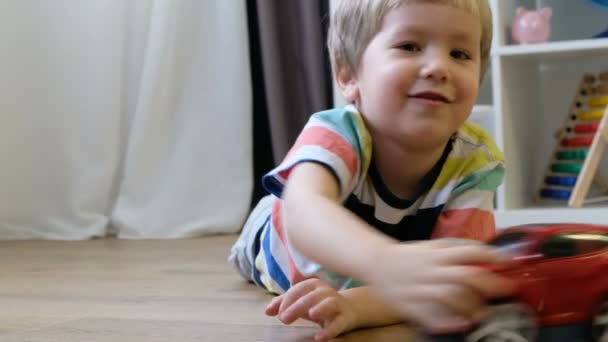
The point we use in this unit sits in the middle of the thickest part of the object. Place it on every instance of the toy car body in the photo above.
(561, 271)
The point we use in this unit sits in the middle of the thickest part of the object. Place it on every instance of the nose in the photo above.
(435, 66)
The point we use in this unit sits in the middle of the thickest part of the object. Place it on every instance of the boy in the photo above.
(398, 164)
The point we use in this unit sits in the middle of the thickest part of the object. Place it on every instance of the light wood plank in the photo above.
(140, 290)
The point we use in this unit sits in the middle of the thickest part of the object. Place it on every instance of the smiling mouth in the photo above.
(430, 96)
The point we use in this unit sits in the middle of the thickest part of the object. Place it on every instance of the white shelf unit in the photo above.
(532, 87)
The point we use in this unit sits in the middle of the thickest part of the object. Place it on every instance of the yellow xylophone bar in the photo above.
(592, 115)
(598, 101)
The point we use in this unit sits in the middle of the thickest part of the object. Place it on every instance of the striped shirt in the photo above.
(455, 199)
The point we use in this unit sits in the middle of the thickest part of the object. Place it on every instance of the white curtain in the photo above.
(131, 117)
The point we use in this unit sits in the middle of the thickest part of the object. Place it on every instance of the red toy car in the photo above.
(562, 275)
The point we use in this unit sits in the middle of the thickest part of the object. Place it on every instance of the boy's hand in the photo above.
(316, 301)
(435, 284)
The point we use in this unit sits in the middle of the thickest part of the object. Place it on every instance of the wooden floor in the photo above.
(119, 290)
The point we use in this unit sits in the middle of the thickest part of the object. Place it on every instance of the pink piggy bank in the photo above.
(531, 26)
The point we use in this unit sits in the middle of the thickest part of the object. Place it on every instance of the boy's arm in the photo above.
(430, 283)
(321, 229)
(371, 310)
(319, 226)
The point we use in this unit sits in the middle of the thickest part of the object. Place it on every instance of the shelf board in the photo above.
(561, 49)
(511, 217)
(483, 108)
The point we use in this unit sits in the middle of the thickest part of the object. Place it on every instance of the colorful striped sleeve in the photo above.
(336, 139)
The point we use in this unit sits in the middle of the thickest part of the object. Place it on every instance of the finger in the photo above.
(297, 291)
(448, 325)
(459, 299)
(272, 309)
(470, 255)
(300, 308)
(481, 315)
(436, 319)
(333, 329)
(453, 298)
(488, 284)
(324, 311)
(454, 241)
(436, 243)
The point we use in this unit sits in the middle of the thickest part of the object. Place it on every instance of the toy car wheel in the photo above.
(600, 324)
(509, 322)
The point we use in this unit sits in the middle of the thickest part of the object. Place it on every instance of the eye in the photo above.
(460, 54)
(410, 47)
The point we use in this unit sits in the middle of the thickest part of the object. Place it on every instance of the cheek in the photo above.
(387, 85)
(472, 92)
(400, 74)
(469, 88)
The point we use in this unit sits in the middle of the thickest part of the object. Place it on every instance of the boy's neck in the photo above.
(402, 168)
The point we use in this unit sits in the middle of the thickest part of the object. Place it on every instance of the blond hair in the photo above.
(354, 23)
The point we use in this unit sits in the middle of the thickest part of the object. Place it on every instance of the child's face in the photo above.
(419, 76)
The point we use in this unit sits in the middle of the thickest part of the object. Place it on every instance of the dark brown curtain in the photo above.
(290, 73)
(296, 69)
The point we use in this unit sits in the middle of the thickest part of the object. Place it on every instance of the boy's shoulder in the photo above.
(472, 139)
(341, 116)
(474, 157)
(347, 122)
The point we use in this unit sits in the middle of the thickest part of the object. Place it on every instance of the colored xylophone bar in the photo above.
(569, 161)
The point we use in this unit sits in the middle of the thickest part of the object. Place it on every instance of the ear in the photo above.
(348, 85)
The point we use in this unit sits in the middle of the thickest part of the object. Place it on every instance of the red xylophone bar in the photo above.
(577, 141)
(586, 128)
